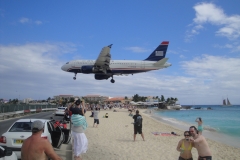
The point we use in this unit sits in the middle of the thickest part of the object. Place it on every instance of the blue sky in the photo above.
(38, 37)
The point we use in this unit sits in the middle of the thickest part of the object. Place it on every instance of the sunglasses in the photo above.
(191, 131)
(186, 135)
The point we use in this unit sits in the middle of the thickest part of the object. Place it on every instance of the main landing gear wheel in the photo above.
(75, 76)
(112, 80)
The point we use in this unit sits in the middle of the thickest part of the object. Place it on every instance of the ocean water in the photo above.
(220, 124)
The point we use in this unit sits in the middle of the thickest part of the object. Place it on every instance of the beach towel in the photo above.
(162, 134)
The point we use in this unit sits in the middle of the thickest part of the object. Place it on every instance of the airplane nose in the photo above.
(63, 67)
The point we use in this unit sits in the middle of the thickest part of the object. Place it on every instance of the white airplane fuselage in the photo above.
(117, 67)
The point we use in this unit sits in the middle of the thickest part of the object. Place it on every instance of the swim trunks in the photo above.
(96, 121)
(138, 129)
(205, 158)
(180, 158)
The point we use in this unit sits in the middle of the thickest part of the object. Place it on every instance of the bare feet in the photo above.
(77, 158)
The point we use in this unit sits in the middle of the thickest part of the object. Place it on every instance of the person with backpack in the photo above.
(137, 125)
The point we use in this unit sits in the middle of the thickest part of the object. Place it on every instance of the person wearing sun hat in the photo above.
(36, 147)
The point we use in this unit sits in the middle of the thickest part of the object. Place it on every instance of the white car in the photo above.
(21, 130)
(7, 154)
(60, 111)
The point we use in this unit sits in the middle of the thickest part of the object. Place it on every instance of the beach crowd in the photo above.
(113, 135)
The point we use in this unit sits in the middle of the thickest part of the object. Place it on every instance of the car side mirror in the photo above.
(8, 152)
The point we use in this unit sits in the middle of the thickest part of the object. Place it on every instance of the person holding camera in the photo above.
(185, 147)
(79, 125)
(79, 107)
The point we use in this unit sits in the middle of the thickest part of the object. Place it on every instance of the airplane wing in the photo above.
(103, 60)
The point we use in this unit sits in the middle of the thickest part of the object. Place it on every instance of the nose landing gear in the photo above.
(75, 76)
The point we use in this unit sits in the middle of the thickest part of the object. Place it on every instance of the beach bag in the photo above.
(138, 121)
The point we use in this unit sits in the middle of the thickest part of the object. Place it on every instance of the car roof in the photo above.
(32, 120)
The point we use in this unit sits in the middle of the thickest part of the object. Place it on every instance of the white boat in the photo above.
(174, 107)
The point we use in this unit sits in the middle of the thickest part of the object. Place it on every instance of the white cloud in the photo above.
(24, 20)
(229, 26)
(34, 70)
(38, 22)
(234, 47)
(137, 49)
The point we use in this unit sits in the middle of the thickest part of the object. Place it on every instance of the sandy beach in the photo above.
(113, 140)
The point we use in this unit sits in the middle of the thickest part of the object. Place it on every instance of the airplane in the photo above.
(104, 67)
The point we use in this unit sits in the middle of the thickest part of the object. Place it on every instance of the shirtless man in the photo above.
(37, 148)
(200, 144)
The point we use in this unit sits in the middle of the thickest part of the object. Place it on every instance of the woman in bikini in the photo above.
(185, 147)
(200, 127)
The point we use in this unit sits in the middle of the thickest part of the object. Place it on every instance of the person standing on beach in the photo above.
(95, 115)
(200, 144)
(185, 147)
(79, 125)
(137, 125)
(200, 127)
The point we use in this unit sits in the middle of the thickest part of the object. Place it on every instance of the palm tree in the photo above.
(162, 98)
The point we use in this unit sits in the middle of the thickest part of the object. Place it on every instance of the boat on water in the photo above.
(198, 108)
(226, 102)
(174, 106)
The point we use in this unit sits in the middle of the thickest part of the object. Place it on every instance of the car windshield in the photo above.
(61, 108)
(21, 127)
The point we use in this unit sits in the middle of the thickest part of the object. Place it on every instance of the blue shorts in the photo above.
(96, 121)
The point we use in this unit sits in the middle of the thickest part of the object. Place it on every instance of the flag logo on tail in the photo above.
(158, 53)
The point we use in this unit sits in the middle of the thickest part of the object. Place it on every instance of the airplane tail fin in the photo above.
(159, 53)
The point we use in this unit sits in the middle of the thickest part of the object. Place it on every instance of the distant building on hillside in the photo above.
(27, 100)
(151, 99)
(95, 98)
(118, 100)
(60, 97)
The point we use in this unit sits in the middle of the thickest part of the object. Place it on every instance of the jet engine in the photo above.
(87, 69)
(101, 77)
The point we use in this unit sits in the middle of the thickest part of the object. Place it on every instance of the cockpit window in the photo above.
(67, 63)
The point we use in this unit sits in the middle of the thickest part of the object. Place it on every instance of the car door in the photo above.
(67, 135)
(67, 132)
(57, 135)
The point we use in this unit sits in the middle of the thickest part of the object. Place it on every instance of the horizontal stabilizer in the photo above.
(161, 62)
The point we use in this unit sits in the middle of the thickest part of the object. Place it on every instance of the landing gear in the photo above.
(75, 76)
(112, 80)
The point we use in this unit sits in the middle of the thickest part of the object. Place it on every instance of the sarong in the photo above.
(80, 143)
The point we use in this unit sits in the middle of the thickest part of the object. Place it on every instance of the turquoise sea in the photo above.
(220, 123)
